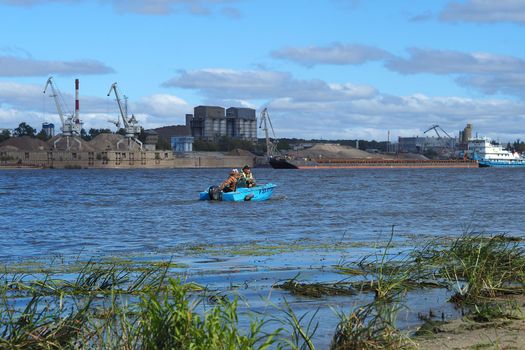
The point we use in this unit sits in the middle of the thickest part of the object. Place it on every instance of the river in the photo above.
(156, 214)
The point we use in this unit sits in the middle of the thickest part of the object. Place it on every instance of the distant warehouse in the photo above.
(211, 122)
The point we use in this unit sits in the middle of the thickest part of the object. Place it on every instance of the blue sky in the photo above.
(331, 69)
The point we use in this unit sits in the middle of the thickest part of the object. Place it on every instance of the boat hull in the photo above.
(501, 164)
(253, 194)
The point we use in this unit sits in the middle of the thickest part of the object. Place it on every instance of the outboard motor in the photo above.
(215, 193)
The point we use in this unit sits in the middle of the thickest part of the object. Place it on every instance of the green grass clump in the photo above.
(491, 311)
(110, 307)
(488, 265)
(316, 290)
(373, 326)
(370, 327)
(171, 322)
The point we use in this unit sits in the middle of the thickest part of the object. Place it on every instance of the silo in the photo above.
(467, 133)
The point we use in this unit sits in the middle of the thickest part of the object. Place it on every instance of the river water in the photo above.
(156, 214)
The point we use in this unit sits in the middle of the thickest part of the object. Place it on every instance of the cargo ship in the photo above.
(375, 163)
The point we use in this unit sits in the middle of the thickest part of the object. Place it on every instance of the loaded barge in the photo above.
(327, 163)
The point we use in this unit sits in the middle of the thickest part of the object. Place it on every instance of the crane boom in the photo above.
(435, 128)
(120, 107)
(55, 97)
(131, 127)
(446, 133)
(265, 119)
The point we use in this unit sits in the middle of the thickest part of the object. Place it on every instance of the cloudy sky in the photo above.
(331, 69)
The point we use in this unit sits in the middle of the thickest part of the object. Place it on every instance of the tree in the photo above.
(163, 144)
(42, 135)
(24, 129)
(283, 145)
(6, 134)
(84, 135)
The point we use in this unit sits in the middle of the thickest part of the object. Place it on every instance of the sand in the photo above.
(23, 143)
(465, 334)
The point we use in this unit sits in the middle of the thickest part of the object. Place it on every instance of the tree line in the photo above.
(223, 143)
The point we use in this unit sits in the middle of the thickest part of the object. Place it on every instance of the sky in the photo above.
(325, 69)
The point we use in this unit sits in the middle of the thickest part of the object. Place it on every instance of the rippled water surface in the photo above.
(106, 212)
(156, 214)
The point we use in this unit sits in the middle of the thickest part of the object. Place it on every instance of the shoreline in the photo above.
(203, 264)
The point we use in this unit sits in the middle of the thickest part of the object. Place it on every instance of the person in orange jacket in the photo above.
(230, 185)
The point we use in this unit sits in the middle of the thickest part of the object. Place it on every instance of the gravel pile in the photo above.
(108, 142)
(23, 143)
(328, 150)
(61, 145)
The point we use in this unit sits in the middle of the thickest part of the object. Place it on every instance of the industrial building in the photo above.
(442, 143)
(241, 123)
(210, 122)
(182, 144)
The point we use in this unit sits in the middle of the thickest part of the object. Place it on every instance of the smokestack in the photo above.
(77, 103)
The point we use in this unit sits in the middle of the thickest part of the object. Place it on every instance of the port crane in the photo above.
(71, 124)
(435, 128)
(450, 140)
(271, 148)
(131, 127)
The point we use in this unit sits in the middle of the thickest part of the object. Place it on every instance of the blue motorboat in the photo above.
(257, 193)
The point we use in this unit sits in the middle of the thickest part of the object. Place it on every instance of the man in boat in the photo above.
(230, 185)
(246, 178)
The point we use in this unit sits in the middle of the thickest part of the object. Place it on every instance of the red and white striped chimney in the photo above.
(77, 103)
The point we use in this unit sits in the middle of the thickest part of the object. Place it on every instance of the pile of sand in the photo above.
(412, 156)
(240, 152)
(24, 144)
(74, 145)
(330, 150)
(108, 142)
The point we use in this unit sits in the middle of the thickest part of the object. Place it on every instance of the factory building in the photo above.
(210, 122)
(411, 144)
(241, 123)
(182, 144)
(422, 144)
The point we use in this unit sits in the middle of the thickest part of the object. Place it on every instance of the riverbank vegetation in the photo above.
(118, 305)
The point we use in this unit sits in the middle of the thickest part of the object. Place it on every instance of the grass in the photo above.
(123, 304)
(110, 307)
(316, 290)
(477, 266)
(373, 326)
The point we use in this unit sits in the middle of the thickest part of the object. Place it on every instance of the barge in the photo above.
(334, 163)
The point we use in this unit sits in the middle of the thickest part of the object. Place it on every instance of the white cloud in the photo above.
(336, 53)
(454, 62)
(486, 72)
(317, 109)
(263, 84)
(485, 11)
(511, 83)
(26, 102)
(402, 115)
(163, 107)
(12, 66)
